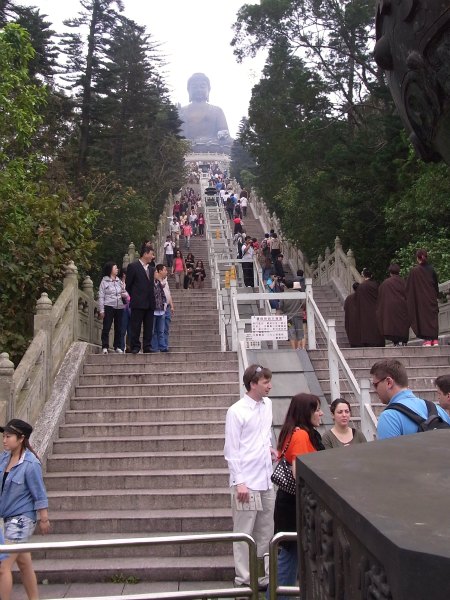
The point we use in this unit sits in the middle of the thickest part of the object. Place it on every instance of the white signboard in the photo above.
(250, 343)
(272, 327)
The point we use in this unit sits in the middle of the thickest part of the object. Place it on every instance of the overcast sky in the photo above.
(195, 37)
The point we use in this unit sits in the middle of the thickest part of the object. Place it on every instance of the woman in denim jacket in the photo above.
(23, 496)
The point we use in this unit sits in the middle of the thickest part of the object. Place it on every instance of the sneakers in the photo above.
(118, 350)
(427, 343)
(435, 343)
(105, 351)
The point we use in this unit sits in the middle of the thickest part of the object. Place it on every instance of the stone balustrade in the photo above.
(337, 267)
(73, 316)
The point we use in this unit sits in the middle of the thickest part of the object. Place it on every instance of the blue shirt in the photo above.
(24, 491)
(392, 423)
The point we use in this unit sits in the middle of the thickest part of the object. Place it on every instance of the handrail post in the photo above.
(333, 363)
(234, 325)
(367, 426)
(310, 316)
(71, 279)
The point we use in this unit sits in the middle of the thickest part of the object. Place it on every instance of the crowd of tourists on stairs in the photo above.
(138, 298)
(375, 314)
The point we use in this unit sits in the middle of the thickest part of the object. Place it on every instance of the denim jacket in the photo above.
(24, 492)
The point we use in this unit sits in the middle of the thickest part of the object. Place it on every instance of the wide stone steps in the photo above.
(175, 377)
(141, 401)
(149, 389)
(141, 429)
(138, 499)
(143, 443)
(144, 479)
(116, 360)
(211, 567)
(125, 416)
(141, 521)
(174, 550)
(147, 460)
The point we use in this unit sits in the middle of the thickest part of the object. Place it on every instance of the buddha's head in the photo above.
(198, 86)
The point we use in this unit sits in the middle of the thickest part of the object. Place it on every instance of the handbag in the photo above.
(282, 476)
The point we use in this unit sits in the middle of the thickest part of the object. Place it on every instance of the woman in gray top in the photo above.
(341, 434)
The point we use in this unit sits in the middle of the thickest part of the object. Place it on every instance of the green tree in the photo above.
(42, 228)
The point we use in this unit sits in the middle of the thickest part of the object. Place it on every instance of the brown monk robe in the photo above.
(351, 318)
(392, 314)
(421, 296)
(366, 301)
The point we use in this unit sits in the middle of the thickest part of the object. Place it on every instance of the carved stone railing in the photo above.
(337, 267)
(73, 316)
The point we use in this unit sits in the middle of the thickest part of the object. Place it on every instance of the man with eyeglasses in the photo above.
(249, 454)
(390, 380)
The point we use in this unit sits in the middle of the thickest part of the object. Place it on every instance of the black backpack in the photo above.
(433, 421)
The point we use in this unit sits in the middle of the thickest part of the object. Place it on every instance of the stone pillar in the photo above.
(43, 322)
(71, 279)
(337, 262)
(6, 387)
(132, 252)
(88, 288)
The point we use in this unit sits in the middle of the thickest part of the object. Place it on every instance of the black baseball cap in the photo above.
(18, 427)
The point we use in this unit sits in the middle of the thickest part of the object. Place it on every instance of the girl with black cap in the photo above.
(23, 496)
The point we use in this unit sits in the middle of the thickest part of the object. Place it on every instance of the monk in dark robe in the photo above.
(392, 313)
(352, 318)
(366, 302)
(421, 296)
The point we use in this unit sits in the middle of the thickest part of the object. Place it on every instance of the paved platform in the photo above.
(89, 590)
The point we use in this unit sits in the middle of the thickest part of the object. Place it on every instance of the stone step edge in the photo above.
(139, 491)
(166, 385)
(90, 411)
(138, 473)
(98, 455)
(116, 514)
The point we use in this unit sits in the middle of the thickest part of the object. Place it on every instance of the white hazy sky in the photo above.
(195, 37)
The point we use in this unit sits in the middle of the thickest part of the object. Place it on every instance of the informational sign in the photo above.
(250, 343)
(273, 327)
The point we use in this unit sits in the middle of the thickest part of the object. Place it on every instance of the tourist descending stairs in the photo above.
(141, 454)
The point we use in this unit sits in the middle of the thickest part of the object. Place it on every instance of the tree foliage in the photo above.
(331, 155)
(84, 168)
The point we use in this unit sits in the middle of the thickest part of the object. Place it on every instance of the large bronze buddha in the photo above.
(204, 124)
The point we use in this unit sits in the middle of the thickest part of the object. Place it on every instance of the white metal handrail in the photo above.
(250, 591)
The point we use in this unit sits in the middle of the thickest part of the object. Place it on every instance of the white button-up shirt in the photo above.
(248, 442)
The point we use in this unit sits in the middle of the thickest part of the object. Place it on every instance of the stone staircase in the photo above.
(141, 454)
(423, 364)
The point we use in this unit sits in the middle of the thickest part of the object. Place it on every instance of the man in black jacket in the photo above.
(140, 286)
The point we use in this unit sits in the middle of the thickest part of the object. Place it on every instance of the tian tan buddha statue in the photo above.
(204, 125)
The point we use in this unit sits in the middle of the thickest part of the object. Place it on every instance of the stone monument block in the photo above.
(374, 520)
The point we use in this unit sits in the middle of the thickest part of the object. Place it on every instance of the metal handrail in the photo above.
(250, 591)
(274, 588)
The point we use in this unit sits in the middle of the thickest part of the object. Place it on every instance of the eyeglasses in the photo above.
(375, 383)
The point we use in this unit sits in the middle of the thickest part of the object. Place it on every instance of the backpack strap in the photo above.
(401, 408)
(422, 424)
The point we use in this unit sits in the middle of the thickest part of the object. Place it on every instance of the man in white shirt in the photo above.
(249, 454)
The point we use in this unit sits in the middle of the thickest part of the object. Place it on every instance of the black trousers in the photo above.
(112, 314)
(247, 269)
(139, 317)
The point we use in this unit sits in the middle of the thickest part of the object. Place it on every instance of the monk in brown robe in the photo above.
(366, 302)
(421, 296)
(352, 318)
(392, 313)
